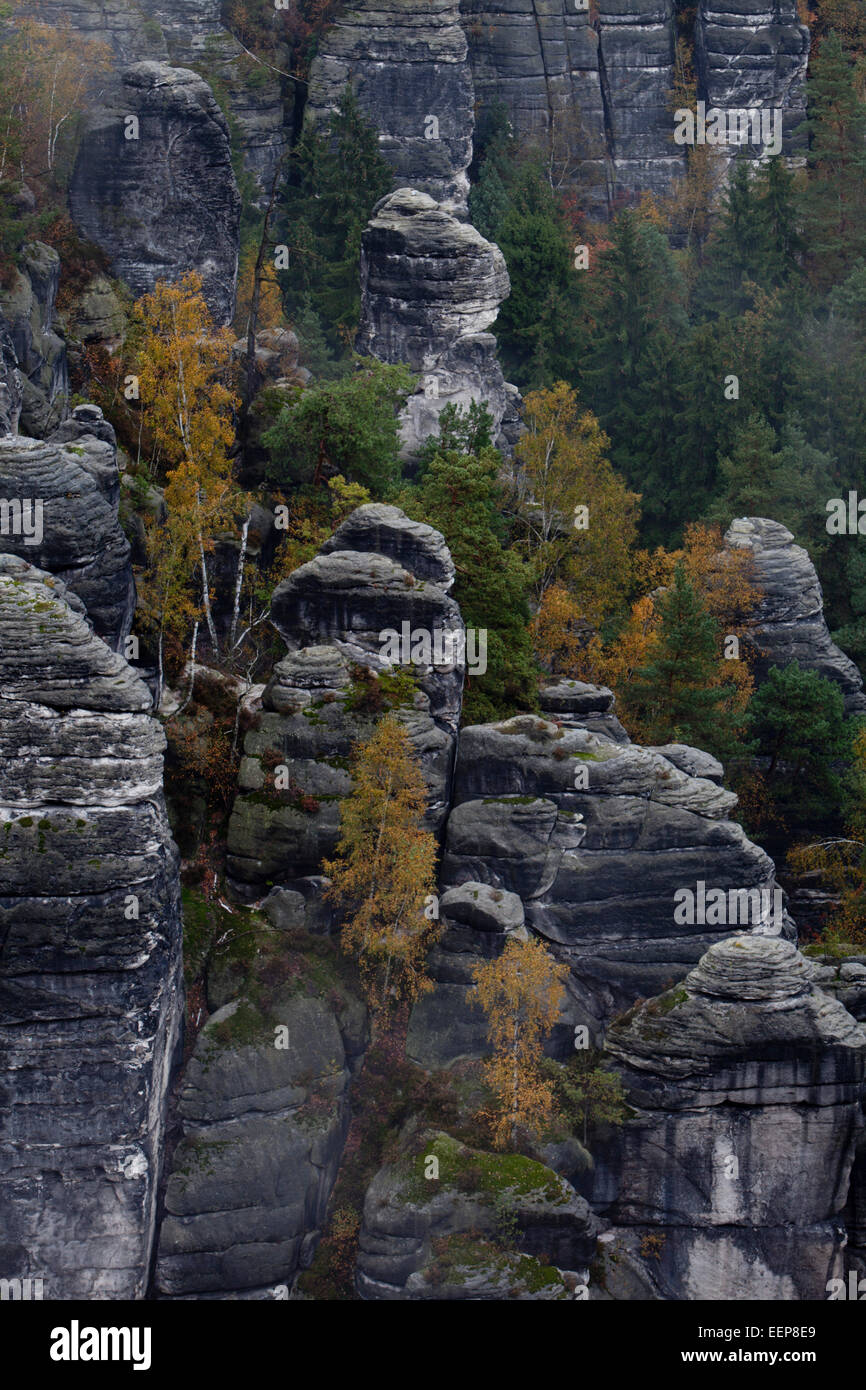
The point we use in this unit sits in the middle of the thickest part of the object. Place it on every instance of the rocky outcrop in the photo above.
(355, 596)
(745, 1082)
(597, 838)
(433, 1222)
(749, 55)
(478, 921)
(153, 184)
(431, 287)
(577, 704)
(311, 714)
(90, 984)
(264, 1115)
(187, 33)
(409, 70)
(62, 497)
(40, 393)
(379, 574)
(789, 624)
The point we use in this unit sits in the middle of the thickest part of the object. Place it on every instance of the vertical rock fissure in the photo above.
(607, 117)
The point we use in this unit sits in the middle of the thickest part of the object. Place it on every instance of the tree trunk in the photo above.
(239, 582)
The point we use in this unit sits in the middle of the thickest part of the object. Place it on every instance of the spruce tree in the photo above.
(676, 692)
(834, 202)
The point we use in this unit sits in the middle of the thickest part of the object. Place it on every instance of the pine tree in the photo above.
(632, 374)
(460, 494)
(383, 870)
(339, 177)
(834, 202)
(676, 693)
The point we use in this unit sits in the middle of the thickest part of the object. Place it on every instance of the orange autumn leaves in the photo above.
(597, 617)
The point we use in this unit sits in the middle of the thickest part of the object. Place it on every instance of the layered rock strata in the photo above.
(90, 949)
(431, 287)
(746, 1083)
(789, 624)
(59, 510)
(153, 184)
(409, 69)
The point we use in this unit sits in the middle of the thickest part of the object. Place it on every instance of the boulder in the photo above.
(90, 950)
(431, 287)
(575, 704)
(789, 624)
(434, 1230)
(745, 1084)
(159, 197)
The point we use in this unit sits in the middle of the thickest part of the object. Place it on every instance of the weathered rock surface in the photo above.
(444, 1025)
(431, 287)
(752, 55)
(308, 724)
(596, 838)
(69, 488)
(746, 1081)
(575, 703)
(263, 1133)
(789, 623)
(434, 1238)
(352, 596)
(188, 33)
(409, 69)
(11, 382)
(90, 983)
(165, 202)
(40, 393)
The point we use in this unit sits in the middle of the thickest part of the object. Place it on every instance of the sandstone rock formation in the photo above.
(39, 353)
(436, 1237)
(378, 572)
(409, 69)
(478, 921)
(591, 85)
(70, 485)
(431, 287)
(11, 382)
(90, 984)
(746, 1081)
(352, 596)
(789, 623)
(187, 33)
(263, 1129)
(750, 56)
(596, 838)
(160, 197)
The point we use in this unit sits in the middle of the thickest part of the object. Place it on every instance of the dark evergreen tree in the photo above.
(676, 693)
(834, 201)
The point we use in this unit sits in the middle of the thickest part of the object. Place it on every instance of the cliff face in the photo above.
(153, 184)
(90, 985)
(187, 33)
(591, 85)
(409, 67)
